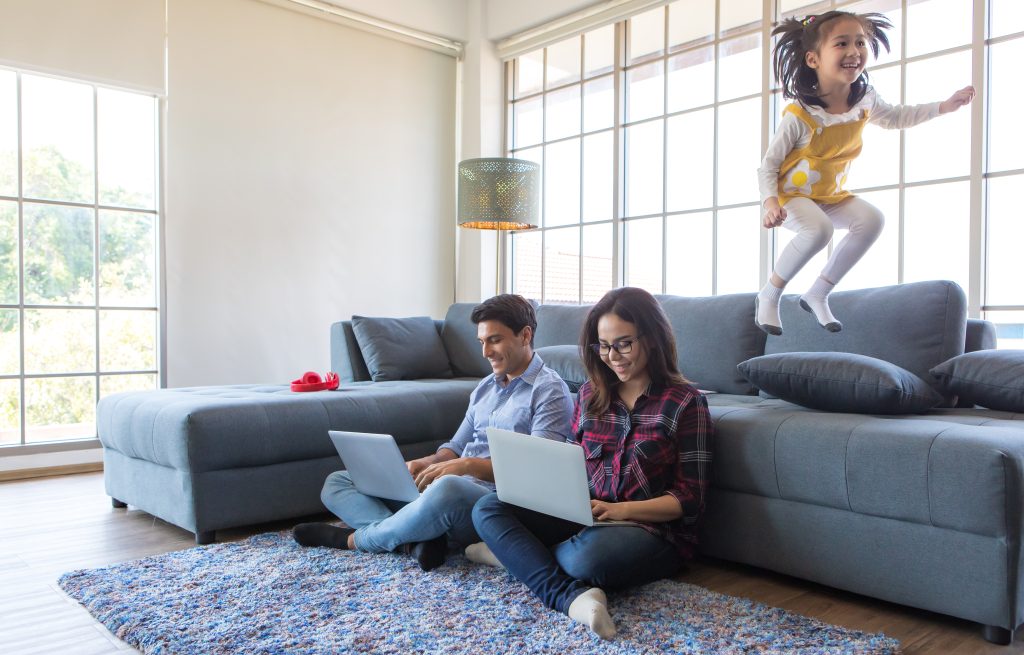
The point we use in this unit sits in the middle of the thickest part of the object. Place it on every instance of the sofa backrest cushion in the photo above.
(713, 335)
(915, 326)
(346, 360)
(401, 348)
(565, 360)
(559, 325)
(459, 337)
(981, 335)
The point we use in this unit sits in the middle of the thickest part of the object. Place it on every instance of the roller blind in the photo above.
(119, 42)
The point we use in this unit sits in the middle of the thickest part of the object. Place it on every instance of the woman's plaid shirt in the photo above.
(662, 447)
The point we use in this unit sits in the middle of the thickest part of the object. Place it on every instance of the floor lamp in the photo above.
(499, 193)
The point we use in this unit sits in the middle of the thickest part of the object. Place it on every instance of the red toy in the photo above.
(310, 381)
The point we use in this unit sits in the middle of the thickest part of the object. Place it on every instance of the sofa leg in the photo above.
(118, 504)
(206, 537)
(997, 635)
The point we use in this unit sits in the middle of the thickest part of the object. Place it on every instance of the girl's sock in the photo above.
(481, 554)
(766, 309)
(816, 302)
(591, 609)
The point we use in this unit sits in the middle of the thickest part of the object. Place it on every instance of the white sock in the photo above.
(767, 317)
(816, 302)
(591, 609)
(481, 554)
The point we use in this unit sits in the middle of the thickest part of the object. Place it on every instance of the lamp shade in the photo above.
(499, 193)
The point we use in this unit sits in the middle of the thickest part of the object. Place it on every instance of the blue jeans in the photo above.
(382, 525)
(559, 560)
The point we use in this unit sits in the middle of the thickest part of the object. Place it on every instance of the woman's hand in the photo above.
(603, 511)
(774, 214)
(957, 100)
(654, 510)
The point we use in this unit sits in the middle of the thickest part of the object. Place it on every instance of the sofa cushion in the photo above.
(841, 382)
(559, 325)
(713, 335)
(565, 360)
(401, 348)
(915, 326)
(459, 338)
(990, 378)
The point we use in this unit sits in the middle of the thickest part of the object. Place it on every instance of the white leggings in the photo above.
(814, 224)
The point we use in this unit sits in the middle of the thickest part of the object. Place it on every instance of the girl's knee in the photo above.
(871, 221)
(817, 233)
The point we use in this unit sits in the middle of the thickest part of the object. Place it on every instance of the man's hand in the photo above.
(603, 511)
(425, 476)
(417, 465)
(774, 213)
(962, 97)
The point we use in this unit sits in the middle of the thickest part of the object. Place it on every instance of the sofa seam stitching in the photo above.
(928, 474)
(775, 455)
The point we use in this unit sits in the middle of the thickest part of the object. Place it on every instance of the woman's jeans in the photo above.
(558, 560)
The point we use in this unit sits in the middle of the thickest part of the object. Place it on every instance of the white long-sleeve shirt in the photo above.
(793, 133)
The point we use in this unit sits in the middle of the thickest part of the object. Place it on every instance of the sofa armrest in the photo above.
(346, 358)
(981, 335)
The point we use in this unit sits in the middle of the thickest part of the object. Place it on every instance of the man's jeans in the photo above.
(445, 507)
(559, 560)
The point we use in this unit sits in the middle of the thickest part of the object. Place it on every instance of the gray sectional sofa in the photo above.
(922, 509)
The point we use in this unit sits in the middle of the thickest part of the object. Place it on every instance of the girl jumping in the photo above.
(820, 62)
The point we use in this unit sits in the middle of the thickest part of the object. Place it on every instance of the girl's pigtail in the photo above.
(877, 24)
(796, 79)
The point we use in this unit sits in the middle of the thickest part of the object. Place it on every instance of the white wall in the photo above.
(310, 176)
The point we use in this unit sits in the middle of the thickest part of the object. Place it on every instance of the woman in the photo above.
(646, 435)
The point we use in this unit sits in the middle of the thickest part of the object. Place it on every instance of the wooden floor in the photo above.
(53, 525)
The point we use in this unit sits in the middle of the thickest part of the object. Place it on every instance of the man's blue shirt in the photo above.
(537, 402)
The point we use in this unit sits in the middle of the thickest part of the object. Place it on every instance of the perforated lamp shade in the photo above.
(498, 193)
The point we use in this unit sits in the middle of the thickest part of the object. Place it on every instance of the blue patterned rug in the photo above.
(268, 595)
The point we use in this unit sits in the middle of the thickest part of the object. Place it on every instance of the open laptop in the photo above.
(375, 465)
(546, 476)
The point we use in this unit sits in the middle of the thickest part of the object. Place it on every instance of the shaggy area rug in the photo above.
(268, 595)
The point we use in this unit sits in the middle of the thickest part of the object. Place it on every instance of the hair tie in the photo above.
(807, 21)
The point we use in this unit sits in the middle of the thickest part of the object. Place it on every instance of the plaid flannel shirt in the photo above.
(662, 447)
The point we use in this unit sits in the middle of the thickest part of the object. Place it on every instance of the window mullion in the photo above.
(976, 274)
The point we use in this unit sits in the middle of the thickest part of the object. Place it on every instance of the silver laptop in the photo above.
(543, 475)
(375, 465)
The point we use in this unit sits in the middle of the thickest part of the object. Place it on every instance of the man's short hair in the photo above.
(512, 310)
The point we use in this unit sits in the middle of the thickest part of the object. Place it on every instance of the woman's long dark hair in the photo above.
(638, 307)
(798, 37)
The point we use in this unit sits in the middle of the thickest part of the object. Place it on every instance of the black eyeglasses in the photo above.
(622, 346)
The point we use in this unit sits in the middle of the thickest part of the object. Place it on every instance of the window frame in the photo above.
(771, 103)
(97, 307)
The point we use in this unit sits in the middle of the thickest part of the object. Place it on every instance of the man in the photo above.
(523, 395)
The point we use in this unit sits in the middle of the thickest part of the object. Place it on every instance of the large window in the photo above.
(78, 253)
(649, 132)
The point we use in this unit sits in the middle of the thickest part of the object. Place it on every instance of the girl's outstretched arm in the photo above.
(962, 97)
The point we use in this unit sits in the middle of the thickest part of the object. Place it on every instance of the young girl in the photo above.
(646, 434)
(820, 62)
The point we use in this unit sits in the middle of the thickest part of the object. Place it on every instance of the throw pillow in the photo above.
(990, 378)
(565, 360)
(840, 382)
(401, 348)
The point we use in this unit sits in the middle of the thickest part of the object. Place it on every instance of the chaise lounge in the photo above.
(889, 497)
